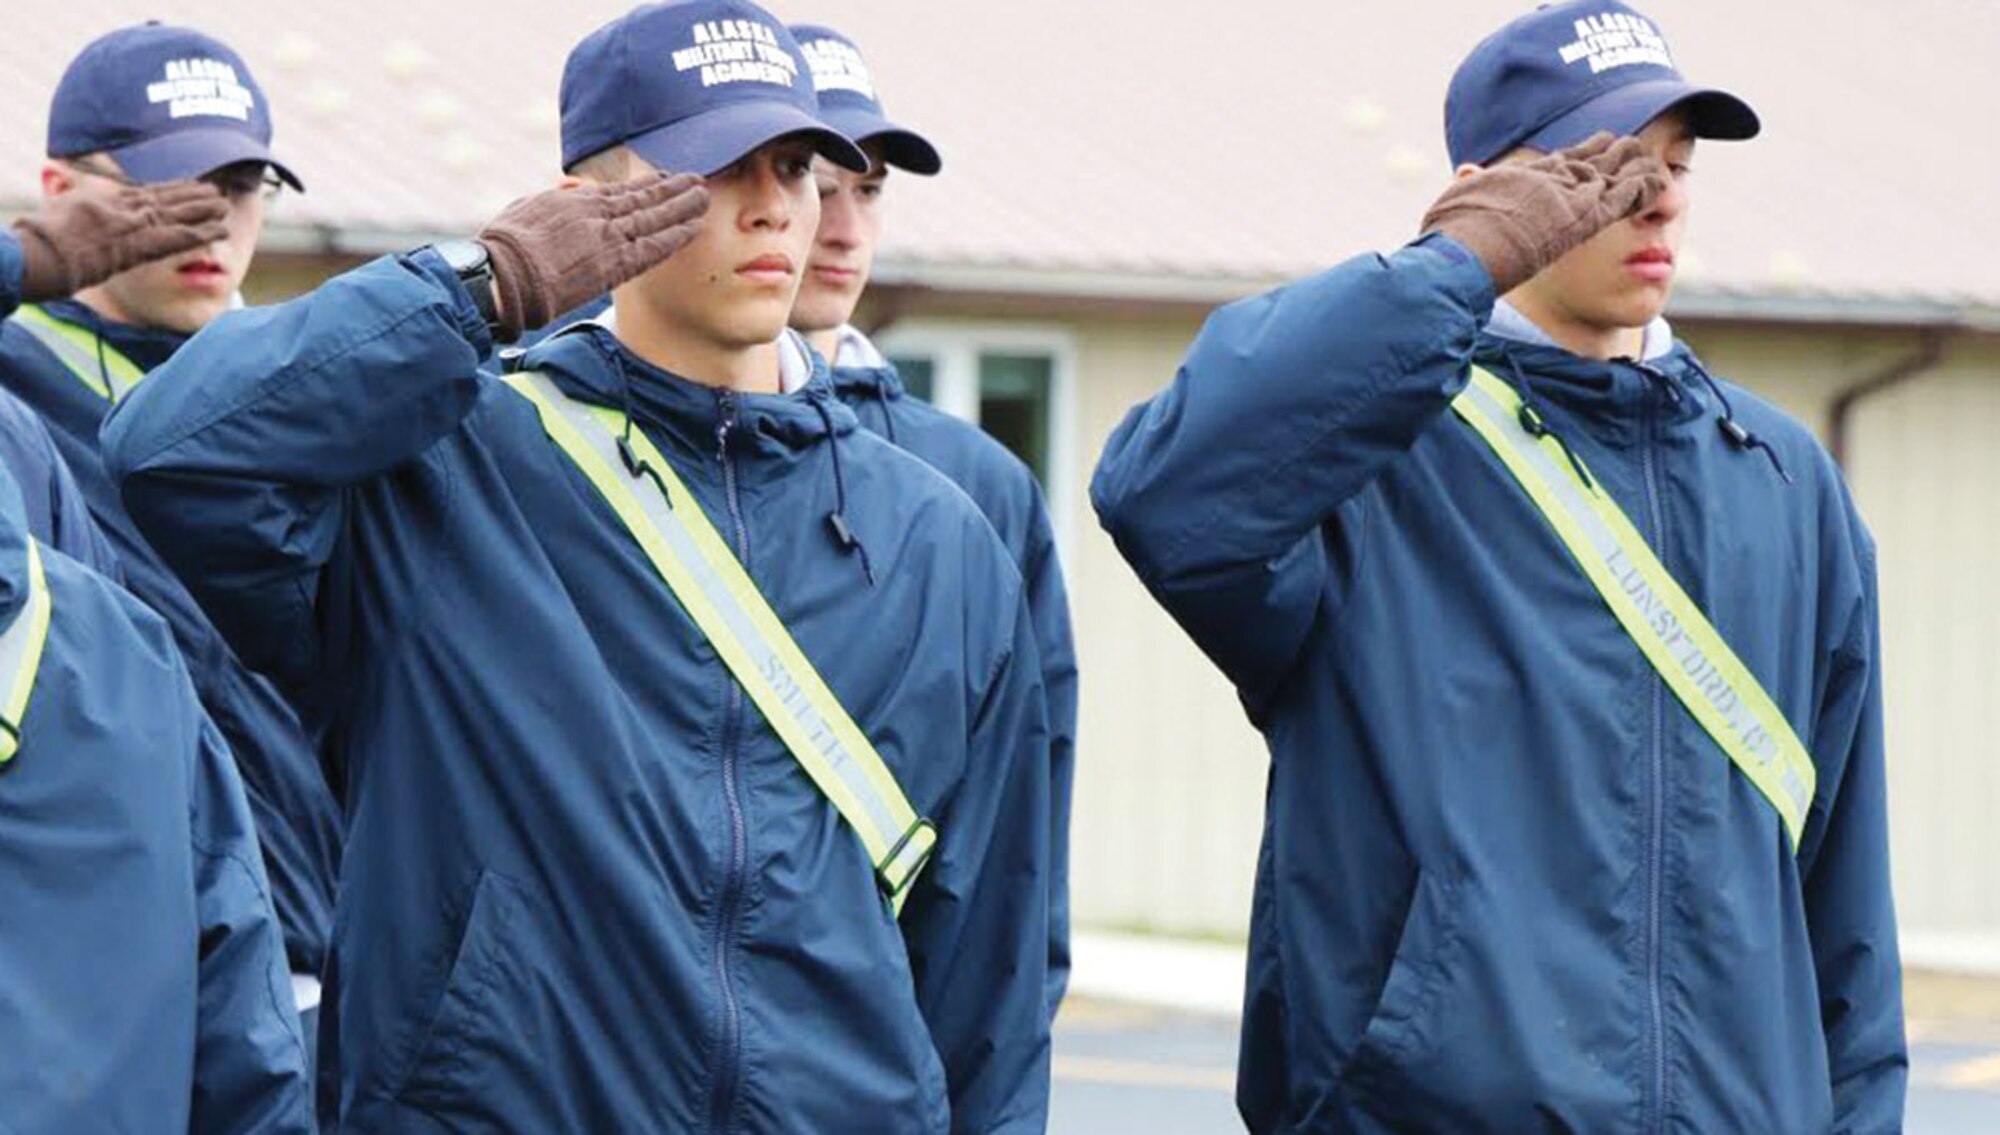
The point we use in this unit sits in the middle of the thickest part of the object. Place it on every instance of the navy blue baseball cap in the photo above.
(847, 100)
(692, 86)
(166, 103)
(1563, 72)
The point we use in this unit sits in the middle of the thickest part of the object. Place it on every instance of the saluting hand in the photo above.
(77, 240)
(560, 248)
(1521, 217)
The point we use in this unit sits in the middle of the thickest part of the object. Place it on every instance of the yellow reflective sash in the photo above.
(724, 602)
(110, 373)
(1670, 630)
(21, 655)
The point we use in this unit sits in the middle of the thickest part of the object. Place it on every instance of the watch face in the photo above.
(464, 256)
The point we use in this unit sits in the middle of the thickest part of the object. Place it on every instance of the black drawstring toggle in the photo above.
(842, 534)
(633, 465)
(1737, 435)
(836, 520)
(1531, 422)
(636, 466)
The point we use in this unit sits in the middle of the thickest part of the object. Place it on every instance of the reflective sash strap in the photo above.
(724, 602)
(21, 656)
(1669, 628)
(77, 348)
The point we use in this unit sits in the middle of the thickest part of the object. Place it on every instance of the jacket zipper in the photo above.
(1656, 837)
(729, 1049)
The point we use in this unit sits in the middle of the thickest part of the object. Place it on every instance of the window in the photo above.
(1013, 382)
(919, 376)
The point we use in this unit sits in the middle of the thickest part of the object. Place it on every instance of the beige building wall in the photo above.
(1170, 777)
(1169, 797)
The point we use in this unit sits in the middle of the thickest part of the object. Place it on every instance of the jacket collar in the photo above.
(1508, 323)
(859, 368)
(589, 362)
(147, 347)
(1612, 399)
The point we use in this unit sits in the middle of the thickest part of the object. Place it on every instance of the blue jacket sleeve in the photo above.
(10, 274)
(977, 922)
(57, 513)
(1048, 610)
(235, 457)
(1286, 406)
(1850, 916)
(249, 1073)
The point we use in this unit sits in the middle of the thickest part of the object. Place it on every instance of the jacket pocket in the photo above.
(1403, 1029)
(476, 1025)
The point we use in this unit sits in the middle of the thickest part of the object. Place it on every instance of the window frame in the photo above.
(954, 348)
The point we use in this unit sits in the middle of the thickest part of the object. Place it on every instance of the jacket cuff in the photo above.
(470, 323)
(1460, 272)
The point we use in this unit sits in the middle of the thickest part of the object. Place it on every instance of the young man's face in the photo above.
(843, 253)
(734, 284)
(181, 293)
(1622, 277)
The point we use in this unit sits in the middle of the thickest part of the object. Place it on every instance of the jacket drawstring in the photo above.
(97, 336)
(1739, 437)
(1531, 421)
(637, 466)
(843, 534)
(883, 392)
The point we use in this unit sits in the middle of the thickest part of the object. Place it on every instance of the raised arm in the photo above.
(237, 457)
(1290, 403)
(76, 240)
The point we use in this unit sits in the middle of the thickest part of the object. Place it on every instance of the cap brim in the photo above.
(192, 153)
(1627, 109)
(718, 138)
(901, 147)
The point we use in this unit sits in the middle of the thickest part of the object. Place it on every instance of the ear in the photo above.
(1466, 170)
(572, 181)
(57, 179)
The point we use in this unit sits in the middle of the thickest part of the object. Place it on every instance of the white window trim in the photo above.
(955, 347)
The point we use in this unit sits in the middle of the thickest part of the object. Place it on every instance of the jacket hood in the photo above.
(869, 382)
(1616, 399)
(589, 362)
(1597, 387)
(147, 347)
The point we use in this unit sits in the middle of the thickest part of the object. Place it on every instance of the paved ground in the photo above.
(1132, 1071)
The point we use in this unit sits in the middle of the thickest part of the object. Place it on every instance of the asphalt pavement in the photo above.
(1126, 1070)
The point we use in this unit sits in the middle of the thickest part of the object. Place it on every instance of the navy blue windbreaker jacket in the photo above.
(298, 818)
(55, 511)
(586, 886)
(1006, 491)
(1508, 884)
(142, 977)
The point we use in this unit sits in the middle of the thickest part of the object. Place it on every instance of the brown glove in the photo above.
(75, 240)
(560, 248)
(1521, 217)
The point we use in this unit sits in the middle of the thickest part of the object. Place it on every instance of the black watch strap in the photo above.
(474, 266)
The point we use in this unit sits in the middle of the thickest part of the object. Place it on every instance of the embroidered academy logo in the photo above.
(836, 66)
(201, 88)
(737, 51)
(1616, 39)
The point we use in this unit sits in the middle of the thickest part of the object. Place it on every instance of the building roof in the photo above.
(1194, 152)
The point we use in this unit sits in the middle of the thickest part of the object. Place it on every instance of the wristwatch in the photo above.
(469, 259)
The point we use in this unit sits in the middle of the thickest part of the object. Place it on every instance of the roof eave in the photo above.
(1174, 288)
